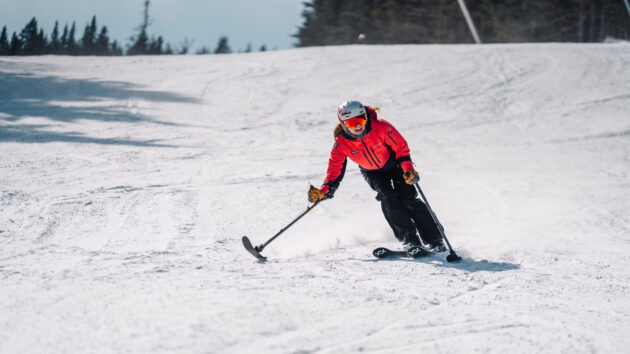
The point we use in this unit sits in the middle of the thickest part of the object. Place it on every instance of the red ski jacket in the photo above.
(381, 147)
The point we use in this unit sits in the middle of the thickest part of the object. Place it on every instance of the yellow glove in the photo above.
(315, 195)
(411, 177)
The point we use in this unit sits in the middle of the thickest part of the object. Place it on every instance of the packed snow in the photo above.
(127, 183)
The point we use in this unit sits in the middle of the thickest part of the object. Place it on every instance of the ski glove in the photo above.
(316, 194)
(411, 177)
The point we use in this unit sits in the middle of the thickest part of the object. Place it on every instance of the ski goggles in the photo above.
(354, 122)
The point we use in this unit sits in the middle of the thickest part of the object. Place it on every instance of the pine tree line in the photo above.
(330, 22)
(33, 41)
(223, 47)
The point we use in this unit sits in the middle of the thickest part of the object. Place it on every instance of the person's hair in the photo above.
(338, 130)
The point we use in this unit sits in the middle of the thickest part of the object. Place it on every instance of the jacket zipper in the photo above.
(376, 157)
(392, 139)
(368, 150)
(364, 155)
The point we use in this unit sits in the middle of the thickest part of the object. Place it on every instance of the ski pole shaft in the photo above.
(435, 219)
(261, 247)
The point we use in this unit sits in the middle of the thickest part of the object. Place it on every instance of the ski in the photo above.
(253, 250)
(413, 252)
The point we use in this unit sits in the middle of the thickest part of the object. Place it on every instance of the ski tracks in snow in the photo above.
(399, 309)
(122, 222)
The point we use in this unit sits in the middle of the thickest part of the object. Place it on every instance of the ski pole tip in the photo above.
(453, 258)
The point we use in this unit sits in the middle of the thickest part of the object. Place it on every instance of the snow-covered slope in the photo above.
(127, 183)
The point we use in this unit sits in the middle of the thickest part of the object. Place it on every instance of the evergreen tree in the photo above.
(54, 39)
(88, 42)
(63, 43)
(155, 46)
(223, 47)
(31, 39)
(42, 42)
(71, 44)
(248, 49)
(203, 50)
(115, 49)
(140, 43)
(16, 45)
(4, 42)
(102, 43)
(263, 48)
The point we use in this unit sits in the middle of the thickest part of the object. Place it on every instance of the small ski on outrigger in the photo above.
(412, 252)
(255, 250)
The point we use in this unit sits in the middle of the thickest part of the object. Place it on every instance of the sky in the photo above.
(268, 22)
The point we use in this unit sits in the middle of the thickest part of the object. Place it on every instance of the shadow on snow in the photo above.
(465, 264)
(25, 95)
(34, 133)
(483, 265)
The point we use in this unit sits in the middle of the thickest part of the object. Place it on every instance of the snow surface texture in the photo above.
(127, 183)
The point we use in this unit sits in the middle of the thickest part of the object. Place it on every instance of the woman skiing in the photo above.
(383, 158)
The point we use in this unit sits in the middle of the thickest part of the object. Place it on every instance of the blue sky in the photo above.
(269, 22)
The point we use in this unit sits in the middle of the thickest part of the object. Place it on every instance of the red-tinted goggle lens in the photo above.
(354, 122)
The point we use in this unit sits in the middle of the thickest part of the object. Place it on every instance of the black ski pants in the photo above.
(404, 212)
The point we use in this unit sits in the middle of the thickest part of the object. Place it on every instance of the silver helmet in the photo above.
(350, 109)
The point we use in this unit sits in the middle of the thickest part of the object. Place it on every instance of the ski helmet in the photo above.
(350, 109)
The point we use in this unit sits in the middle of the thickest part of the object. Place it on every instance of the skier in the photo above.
(383, 158)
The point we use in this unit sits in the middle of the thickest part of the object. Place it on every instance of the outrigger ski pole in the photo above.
(452, 257)
(255, 251)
